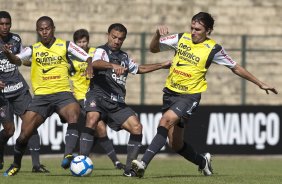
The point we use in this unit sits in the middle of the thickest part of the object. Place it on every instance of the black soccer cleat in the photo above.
(119, 165)
(207, 169)
(40, 169)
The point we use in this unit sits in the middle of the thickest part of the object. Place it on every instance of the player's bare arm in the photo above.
(240, 71)
(12, 58)
(102, 65)
(89, 69)
(152, 67)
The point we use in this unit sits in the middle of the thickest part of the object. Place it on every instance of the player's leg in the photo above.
(87, 133)
(168, 120)
(7, 121)
(34, 148)
(70, 113)
(5, 134)
(134, 127)
(176, 142)
(92, 118)
(30, 121)
(107, 145)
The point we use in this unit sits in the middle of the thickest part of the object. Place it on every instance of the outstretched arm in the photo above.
(11, 57)
(103, 65)
(155, 42)
(239, 70)
(152, 67)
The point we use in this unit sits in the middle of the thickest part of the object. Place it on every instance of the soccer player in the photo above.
(80, 85)
(106, 98)
(195, 52)
(51, 88)
(14, 94)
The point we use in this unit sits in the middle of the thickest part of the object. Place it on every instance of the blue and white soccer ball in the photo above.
(81, 166)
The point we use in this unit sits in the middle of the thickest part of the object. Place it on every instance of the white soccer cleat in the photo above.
(207, 170)
(138, 167)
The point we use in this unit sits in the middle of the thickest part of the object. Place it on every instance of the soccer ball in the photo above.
(81, 166)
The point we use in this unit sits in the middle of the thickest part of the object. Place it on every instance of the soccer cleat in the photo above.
(119, 165)
(138, 167)
(207, 169)
(39, 169)
(12, 171)
(67, 161)
(130, 173)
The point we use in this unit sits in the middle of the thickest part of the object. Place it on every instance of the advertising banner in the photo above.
(214, 129)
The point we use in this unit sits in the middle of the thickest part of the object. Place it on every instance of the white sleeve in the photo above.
(222, 58)
(78, 52)
(132, 66)
(100, 54)
(169, 42)
(25, 54)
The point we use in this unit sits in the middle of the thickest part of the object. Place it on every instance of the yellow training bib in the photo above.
(49, 68)
(188, 69)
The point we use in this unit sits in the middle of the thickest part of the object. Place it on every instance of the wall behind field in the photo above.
(233, 18)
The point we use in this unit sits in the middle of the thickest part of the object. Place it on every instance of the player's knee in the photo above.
(72, 117)
(9, 131)
(165, 122)
(137, 128)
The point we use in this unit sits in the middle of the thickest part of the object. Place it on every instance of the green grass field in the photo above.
(163, 169)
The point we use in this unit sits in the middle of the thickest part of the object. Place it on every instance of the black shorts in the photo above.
(45, 105)
(114, 114)
(14, 105)
(182, 105)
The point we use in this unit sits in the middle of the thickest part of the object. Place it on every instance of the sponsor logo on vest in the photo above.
(47, 70)
(178, 86)
(182, 73)
(184, 52)
(44, 59)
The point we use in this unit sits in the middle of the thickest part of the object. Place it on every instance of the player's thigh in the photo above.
(30, 122)
(70, 112)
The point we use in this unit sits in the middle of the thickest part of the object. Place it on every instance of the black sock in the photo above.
(157, 143)
(3, 141)
(19, 151)
(86, 141)
(71, 138)
(188, 152)
(107, 145)
(34, 148)
(133, 147)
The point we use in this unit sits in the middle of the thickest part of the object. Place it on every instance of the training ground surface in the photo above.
(168, 169)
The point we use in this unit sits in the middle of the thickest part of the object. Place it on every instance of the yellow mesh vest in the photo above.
(49, 68)
(81, 83)
(187, 73)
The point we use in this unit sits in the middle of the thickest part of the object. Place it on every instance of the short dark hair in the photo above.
(5, 14)
(80, 33)
(205, 18)
(119, 27)
(46, 18)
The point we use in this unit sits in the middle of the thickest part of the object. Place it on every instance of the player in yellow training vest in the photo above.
(51, 88)
(80, 85)
(194, 53)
